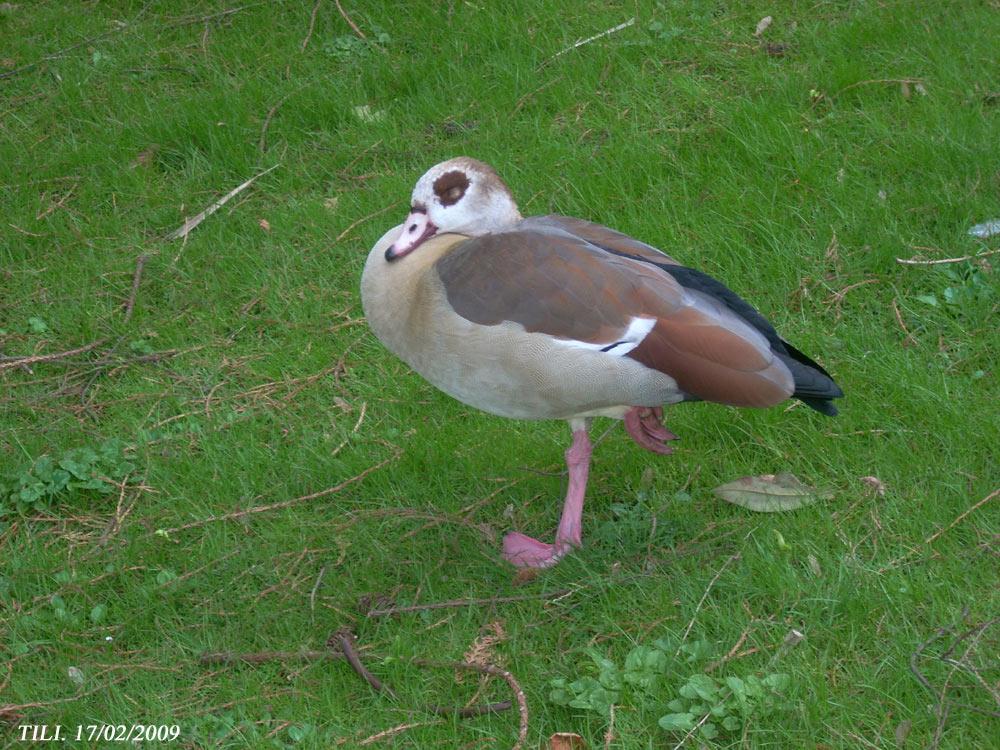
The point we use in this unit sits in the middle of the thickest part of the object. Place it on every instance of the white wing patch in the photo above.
(638, 329)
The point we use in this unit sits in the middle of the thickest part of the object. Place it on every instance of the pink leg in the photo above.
(525, 552)
(645, 426)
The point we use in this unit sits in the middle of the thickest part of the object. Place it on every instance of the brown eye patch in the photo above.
(450, 187)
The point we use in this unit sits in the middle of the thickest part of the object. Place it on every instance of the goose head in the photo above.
(459, 196)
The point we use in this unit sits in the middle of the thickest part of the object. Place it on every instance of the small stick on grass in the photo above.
(589, 39)
(312, 25)
(489, 669)
(199, 569)
(909, 340)
(136, 278)
(467, 603)
(837, 297)
(933, 537)
(393, 731)
(381, 211)
(8, 362)
(120, 514)
(14, 709)
(262, 143)
(357, 426)
(185, 229)
(609, 735)
(733, 652)
(263, 657)
(315, 588)
(687, 630)
(345, 640)
(919, 262)
(943, 704)
(962, 515)
(283, 504)
(354, 26)
(56, 204)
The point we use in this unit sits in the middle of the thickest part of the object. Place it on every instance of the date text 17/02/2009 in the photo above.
(94, 732)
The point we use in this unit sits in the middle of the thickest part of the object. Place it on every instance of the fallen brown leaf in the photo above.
(876, 484)
(762, 25)
(566, 741)
(524, 575)
(145, 157)
(769, 493)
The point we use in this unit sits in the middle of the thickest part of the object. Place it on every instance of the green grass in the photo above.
(791, 173)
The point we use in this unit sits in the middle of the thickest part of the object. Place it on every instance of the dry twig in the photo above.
(136, 278)
(354, 26)
(467, 603)
(56, 204)
(185, 229)
(315, 588)
(589, 39)
(919, 262)
(262, 657)
(929, 540)
(962, 515)
(8, 362)
(345, 640)
(393, 731)
(14, 709)
(837, 297)
(733, 652)
(381, 211)
(312, 25)
(909, 340)
(731, 559)
(284, 503)
(262, 143)
(490, 669)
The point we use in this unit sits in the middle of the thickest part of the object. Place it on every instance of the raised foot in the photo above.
(645, 426)
(524, 552)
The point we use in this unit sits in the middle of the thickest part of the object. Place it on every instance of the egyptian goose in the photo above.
(551, 317)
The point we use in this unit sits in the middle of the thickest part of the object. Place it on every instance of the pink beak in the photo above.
(416, 229)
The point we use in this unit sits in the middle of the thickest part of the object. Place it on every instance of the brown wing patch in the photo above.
(691, 331)
(450, 187)
(562, 285)
(557, 285)
(714, 364)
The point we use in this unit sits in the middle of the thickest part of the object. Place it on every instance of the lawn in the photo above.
(206, 451)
